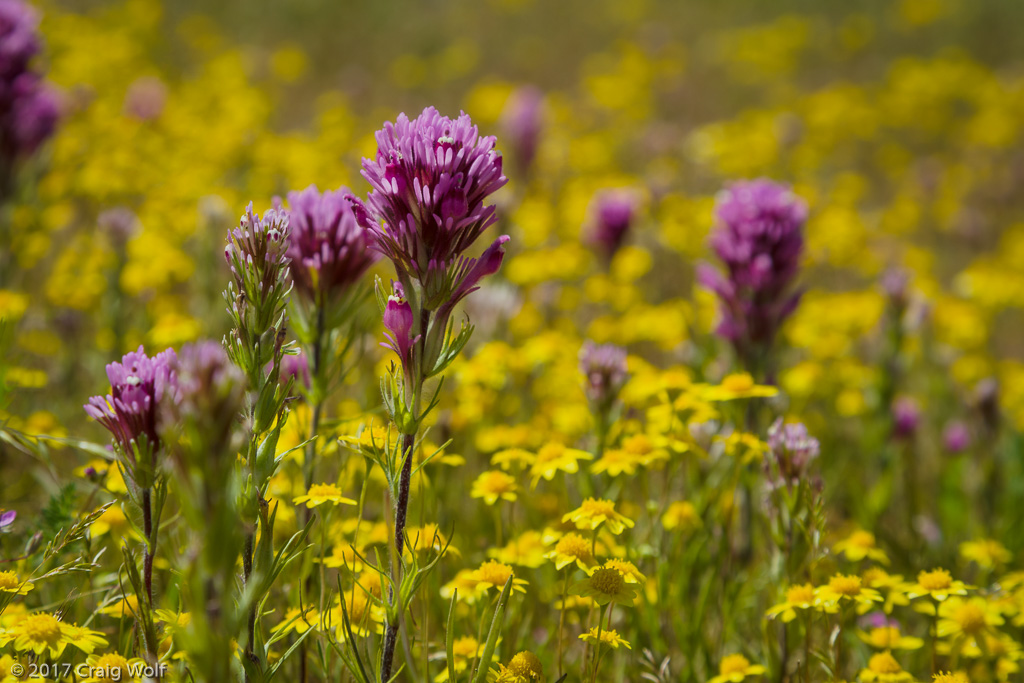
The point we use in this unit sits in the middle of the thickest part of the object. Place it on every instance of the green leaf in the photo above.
(449, 638)
(492, 636)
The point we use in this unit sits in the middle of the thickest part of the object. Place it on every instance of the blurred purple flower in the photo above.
(759, 239)
(956, 437)
(7, 518)
(792, 449)
(19, 37)
(209, 396)
(521, 122)
(604, 369)
(295, 366)
(119, 223)
(613, 214)
(29, 107)
(137, 384)
(146, 98)
(430, 179)
(34, 113)
(895, 283)
(906, 416)
(329, 241)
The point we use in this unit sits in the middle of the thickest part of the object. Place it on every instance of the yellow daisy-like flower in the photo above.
(124, 608)
(616, 461)
(950, 677)
(797, 598)
(372, 440)
(10, 583)
(112, 521)
(891, 585)
(84, 639)
(884, 668)
(681, 515)
(987, 553)
(860, 545)
(967, 618)
(572, 548)
(735, 386)
(553, 458)
(644, 447)
(464, 651)
(173, 620)
(526, 550)
(734, 668)
(112, 667)
(628, 569)
(494, 485)
(298, 621)
(606, 585)
(43, 633)
(597, 511)
(513, 458)
(319, 494)
(365, 616)
(343, 556)
(842, 587)
(492, 574)
(466, 583)
(889, 638)
(938, 584)
(610, 638)
(746, 447)
(7, 665)
(427, 538)
(522, 668)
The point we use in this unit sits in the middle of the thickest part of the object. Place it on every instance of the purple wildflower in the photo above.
(613, 214)
(398, 321)
(956, 437)
(792, 449)
(33, 115)
(329, 241)
(759, 240)
(896, 284)
(146, 98)
(137, 385)
(19, 37)
(261, 242)
(604, 367)
(430, 179)
(210, 394)
(295, 366)
(521, 122)
(906, 417)
(29, 107)
(7, 518)
(119, 223)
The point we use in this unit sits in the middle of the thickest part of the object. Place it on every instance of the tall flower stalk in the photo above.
(329, 254)
(257, 298)
(203, 436)
(430, 179)
(759, 239)
(28, 105)
(130, 412)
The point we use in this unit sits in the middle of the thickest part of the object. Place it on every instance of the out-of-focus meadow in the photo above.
(900, 124)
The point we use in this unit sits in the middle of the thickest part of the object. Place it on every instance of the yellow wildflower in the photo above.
(597, 511)
(319, 494)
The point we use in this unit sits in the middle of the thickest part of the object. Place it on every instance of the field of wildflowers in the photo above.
(655, 341)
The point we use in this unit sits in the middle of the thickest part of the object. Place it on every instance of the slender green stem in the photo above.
(561, 619)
